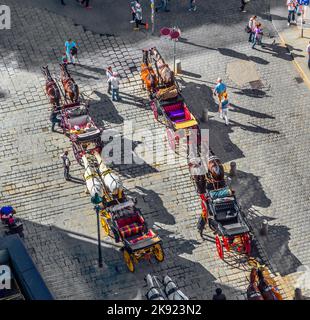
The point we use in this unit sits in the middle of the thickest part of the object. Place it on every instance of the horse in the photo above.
(70, 87)
(164, 72)
(267, 289)
(215, 172)
(51, 88)
(253, 292)
(148, 76)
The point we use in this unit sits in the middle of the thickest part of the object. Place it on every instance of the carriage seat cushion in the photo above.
(149, 235)
(135, 218)
(80, 121)
(131, 230)
(176, 114)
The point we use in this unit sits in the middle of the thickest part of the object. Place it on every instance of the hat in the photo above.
(76, 128)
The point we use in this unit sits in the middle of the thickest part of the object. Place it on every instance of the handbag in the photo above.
(247, 29)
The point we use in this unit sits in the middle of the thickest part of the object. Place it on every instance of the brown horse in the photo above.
(165, 74)
(148, 76)
(51, 87)
(253, 292)
(70, 87)
(267, 288)
(215, 172)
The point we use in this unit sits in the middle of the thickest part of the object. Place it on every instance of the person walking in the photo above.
(163, 6)
(243, 4)
(109, 74)
(192, 5)
(291, 6)
(138, 17)
(71, 50)
(219, 295)
(224, 108)
(133, 10)
(66, 165)
(252, 24)
(54, 117)
(219, 90)
(114, 80)
(308, 51)
(258, 35)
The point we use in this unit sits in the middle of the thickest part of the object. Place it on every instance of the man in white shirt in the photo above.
(109, 74)
(308, 51)
(291, 5)
(114, 80)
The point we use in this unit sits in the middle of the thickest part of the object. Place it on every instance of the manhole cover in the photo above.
(257, 85)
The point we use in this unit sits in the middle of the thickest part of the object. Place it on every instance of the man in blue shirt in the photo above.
(69, 45)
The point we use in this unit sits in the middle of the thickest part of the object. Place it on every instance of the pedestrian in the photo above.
(66, 164)
(308, 51)
(258, 35)
(192, 5)
(114, 80)
(71, 50)
(224, 105)
(252, 24)
(109, 74)
(219, 295)
(87, 6)
(138, 17)
(54, 117)
(219, 90)
(163, 6)
(133, 10)
(291, 5)
(243, 4)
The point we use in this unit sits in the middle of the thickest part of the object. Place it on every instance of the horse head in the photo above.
(216, 168)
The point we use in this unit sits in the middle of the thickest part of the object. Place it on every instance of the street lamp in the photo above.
(96, 200)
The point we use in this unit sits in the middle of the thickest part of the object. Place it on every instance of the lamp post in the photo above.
(96, 200)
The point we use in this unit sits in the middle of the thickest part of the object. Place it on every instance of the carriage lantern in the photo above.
(172, 34)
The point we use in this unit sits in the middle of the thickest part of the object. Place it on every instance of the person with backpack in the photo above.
(138, 18)
(71, 50)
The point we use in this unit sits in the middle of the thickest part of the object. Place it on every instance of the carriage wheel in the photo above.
(226, 243)
(129, 261)
(219, 247)
(159, 252)
(105, 227)
(171, 140)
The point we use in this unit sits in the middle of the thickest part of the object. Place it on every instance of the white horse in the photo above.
(93, 183)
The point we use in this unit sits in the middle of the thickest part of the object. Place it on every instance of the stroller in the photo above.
(170, 290)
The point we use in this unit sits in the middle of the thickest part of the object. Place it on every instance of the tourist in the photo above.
(138, 17)
(243, 4)
(114, 80)
(219, 295)
(163, 6)
(258, 35)
(252, 24)
(308, 51)
(66, 165)
(219, 89)
(192, 5)
(133, 10)
(71, 50)
(109, 74)
(291, 6)
(224, 108)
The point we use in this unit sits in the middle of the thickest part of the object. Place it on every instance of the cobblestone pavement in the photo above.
(268, 138)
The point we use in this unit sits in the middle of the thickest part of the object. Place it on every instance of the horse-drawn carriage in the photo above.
(125, 223)
(220, 209)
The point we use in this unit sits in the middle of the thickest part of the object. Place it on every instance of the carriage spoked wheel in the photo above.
(159, 252)
(129, 260)
(105, 227)
(219, 247)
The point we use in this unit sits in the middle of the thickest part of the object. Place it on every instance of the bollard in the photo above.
(178, 67)
(298, 294)
(205, 115)
(233, 169)
(264, 228)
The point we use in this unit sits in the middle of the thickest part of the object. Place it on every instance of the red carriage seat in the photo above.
(80, 121)
(148, 235)
(130, 225)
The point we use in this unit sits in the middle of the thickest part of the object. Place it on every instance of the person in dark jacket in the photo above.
(219, 295)
(54, 117)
